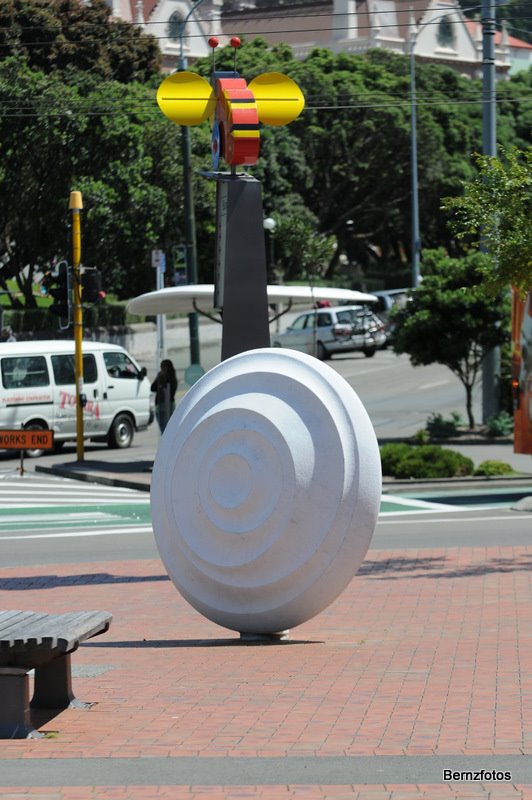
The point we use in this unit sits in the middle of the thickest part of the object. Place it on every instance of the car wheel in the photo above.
(369, 352)
(36, 453)
(321, 352)
(122, 432)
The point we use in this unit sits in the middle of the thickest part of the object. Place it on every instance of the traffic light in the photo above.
(59, 287)
(91, 286)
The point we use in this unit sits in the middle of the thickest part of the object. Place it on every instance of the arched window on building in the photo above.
(174, 26)
(445, 33)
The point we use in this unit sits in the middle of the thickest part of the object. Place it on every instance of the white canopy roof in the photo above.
(176, 299)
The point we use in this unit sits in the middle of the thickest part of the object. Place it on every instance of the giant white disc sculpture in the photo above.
(265, 490)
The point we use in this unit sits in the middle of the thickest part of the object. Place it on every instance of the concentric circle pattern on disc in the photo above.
(265, 490)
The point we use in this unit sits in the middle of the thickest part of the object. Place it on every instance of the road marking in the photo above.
(148, 529)
(58, 506)
(391, 500)
(433, 385)
(426, 521)
(42, 517)
(357, 374)
(78, 534)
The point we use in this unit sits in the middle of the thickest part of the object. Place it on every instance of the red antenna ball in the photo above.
(235, 42)
(213, 42)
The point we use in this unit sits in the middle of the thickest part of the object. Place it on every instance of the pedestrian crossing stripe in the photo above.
(13, 519)
(73, 534)
(396, 504)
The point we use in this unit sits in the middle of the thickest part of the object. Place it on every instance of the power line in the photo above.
(340, 100)
(264, 17)
(22, 113)
(257, 33)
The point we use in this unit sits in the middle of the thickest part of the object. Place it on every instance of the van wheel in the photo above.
(34, 426)
(321, 352)
(122, 432)
(370, 352)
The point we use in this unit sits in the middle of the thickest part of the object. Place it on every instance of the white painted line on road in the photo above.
(433, 385)
(70, 488)
(413, 503)
(68, 517)
(78, 534)
(357, 374)
(63, 502)
(452, 520)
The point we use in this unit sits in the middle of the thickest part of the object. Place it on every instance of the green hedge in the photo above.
(30, 322)
(423, 461)
(491, 468)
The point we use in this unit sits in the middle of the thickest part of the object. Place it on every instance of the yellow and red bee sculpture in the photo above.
(235, 108)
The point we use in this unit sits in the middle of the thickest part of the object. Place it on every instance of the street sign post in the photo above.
(158, 262)
(26, 439)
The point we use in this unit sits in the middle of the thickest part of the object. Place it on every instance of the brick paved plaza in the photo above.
(427, 656)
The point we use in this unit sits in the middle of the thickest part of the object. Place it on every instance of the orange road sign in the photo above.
(26, 440)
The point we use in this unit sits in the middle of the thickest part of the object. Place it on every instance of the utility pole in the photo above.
(190, 222)
(75, 205)
(491, 366)
(416, 240)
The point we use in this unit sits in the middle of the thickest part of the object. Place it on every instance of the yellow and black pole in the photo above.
(75, 205)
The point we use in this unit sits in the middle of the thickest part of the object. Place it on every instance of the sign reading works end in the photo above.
(26, 440)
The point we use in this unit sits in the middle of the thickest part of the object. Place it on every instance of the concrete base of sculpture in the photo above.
(264, 638)
(265, 490)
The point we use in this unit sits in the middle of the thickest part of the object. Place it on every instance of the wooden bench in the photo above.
(31, 640)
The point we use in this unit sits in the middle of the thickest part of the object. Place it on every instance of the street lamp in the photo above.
(190, 223)
(269, 225)
(416, 239)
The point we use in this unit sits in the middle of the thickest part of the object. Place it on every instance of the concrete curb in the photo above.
(141, 481)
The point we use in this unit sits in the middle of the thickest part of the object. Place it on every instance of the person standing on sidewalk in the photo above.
(165, 387)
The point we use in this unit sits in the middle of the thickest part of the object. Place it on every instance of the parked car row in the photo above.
(335, 329)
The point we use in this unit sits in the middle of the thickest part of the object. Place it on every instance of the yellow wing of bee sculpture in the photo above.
(235, 107)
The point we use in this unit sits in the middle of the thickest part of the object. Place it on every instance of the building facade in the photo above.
(178, 31)
(437, 32)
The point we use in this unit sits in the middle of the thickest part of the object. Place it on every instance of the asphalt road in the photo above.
(399, 399)
(471, 529)
(64, 521)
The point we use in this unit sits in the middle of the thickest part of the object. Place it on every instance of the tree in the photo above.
(306, 253)
(346, 159)
(451, 320)
(70, 35)
(113, 146)
(517, 15)
(340, 172)
(496, 211)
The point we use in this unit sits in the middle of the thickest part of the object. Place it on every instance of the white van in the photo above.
(37, 391)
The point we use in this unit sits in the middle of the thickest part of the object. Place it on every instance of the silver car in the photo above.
(337, 329)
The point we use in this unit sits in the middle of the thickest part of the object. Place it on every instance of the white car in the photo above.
(336, 329)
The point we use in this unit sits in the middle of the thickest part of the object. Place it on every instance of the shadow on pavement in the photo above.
(434, 567)
(55, 581)
(232, 642)
(115, 467)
